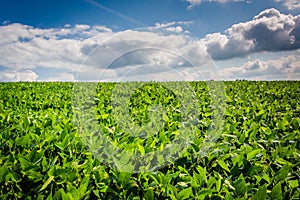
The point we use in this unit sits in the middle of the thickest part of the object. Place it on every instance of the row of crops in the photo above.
(256, 155)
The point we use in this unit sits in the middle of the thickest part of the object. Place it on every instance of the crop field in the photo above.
(255, 156)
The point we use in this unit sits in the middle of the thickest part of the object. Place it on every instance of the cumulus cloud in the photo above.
(268, 31)
(284, 67)
(290, 4)
(24, 75)
(94, 51)
(129, 50)
(26, 47)
(91, 49)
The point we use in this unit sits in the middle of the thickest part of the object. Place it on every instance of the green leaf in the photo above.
(51, 171)
(204, 192)
(141, 149)
(96, 192)
(185, 193)
(24, 163)
(149, 195)
(202, 176)
(240, 186)
(3, 172)
(24, 140)
(223, 165)
(228, 196)
(276, 193)
(293, 183)
(49, 180)
(261, 193)
(65, 196)
(83, 186)
(283, 162)
(172, 192)
(253, 153)
(40, 197)
(72, 192)
(49, 197)
(282, 174)
(260, 113)
(283, 124)
(218, 185)
(266, 178)
(11, 176)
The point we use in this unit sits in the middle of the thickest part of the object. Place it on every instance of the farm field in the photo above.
(256, 156)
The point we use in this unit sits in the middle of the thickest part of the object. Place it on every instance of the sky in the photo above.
(120, 40)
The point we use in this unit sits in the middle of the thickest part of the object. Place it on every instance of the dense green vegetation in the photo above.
(257, 155)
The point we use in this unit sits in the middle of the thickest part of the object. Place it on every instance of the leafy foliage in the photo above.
(257, 156)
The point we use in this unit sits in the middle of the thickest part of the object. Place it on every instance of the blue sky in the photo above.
(222, 39)
(207, 17)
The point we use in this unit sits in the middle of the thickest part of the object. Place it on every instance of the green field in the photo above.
(257, 155)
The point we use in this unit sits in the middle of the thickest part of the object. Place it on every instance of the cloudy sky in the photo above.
(75, 40)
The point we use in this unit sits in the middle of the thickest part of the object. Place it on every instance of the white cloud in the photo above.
(72, 49)
(290, 4)
(82, 27)
(26, 47)
(61, 77)
(154, 42)
(24, 75)
(173, 23)
(268, 31)
(194, 3)
(174, 26)
(284, 67)
(97, 50)
(129, 50)
(177, 29)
